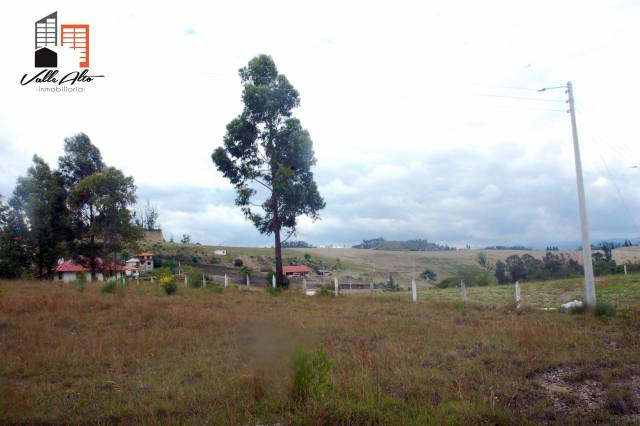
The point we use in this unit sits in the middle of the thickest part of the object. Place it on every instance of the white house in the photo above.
(146, 261)
(67, 272)
(220, 252)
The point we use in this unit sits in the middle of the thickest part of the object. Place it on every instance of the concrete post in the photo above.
(518, 293)
(204, 281)
(273, 280)
(186, 281)
(625, 269)
(226, 281)
(463, 291)
(414, 290)
(304, 283)
(248, 283)
(335, 285)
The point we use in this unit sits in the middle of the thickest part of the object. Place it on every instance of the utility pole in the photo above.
(589, 283)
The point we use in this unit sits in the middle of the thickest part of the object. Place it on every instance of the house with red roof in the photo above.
(295, 270)
(68, 271)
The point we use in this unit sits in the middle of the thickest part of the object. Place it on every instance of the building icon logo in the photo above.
(73, 36)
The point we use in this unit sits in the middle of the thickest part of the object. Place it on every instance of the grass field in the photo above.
(199, 356)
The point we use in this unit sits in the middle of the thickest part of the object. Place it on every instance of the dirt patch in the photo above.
(576, 389)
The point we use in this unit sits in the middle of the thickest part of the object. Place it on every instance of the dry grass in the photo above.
(202, 357)
(376, 264)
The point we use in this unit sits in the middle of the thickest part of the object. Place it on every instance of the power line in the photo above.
(522, 98)
(615, 185)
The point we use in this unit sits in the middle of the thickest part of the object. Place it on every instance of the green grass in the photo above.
(617, 290)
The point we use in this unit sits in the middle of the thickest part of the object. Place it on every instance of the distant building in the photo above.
(146, 261)
(295, 270)
(220, 252)
(68, 271)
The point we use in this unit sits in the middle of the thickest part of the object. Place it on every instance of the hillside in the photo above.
(362, 264)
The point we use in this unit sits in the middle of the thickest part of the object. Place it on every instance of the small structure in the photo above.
(68, 271)
(146, 261)
(324, 272)
(295, 270)
(220, 252)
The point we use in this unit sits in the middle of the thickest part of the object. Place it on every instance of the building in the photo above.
(146, 261)
(46, 36)
(220, 252)
(76, 37)
(295, 270)
(68, 271)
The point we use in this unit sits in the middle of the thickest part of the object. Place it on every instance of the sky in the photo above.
(425, 118)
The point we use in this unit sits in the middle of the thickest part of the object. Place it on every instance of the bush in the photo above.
(245, 270)
(109, 287)
(81, 281)
(603, 309)
(310, 374)
(237, 263)
(168, 285)
(274, 291)
(325, 291)
(215, 287)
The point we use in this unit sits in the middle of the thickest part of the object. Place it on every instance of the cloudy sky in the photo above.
(424, 115)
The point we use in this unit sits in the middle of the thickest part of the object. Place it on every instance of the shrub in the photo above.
(215, 287)
(237, 263)
(274, 291)
(310, 374)
(109, 287)
(429, 275)
(81, 281)
(168, 285)
(325, 291)
(245, 270)
(603, 309)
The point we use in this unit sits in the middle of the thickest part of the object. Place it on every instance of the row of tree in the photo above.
(409, 245)
(526, 267)
(82, 208)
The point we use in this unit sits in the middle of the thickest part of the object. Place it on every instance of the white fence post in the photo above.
(226, 281)
(152, 279)
(186, 281)
(304, 283)
(518, 293)
(273, 280)
(625, 269)
(335, 285)
(463, 291)
(414, 290)
(204, 281)
(248, 281)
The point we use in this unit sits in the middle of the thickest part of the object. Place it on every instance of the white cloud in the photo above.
(393, 94)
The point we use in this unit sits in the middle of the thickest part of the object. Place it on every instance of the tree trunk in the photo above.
(92, 249)
(279, 276)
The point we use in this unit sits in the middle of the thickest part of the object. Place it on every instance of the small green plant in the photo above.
(237, 263)
(604, 309)
(81, 281)
(246, 271)
(215, 287)
(109, 287)
(310, 374)
(274, 291)
(325, 291)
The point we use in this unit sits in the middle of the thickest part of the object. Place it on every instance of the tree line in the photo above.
(410, 245)
(81, 209)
